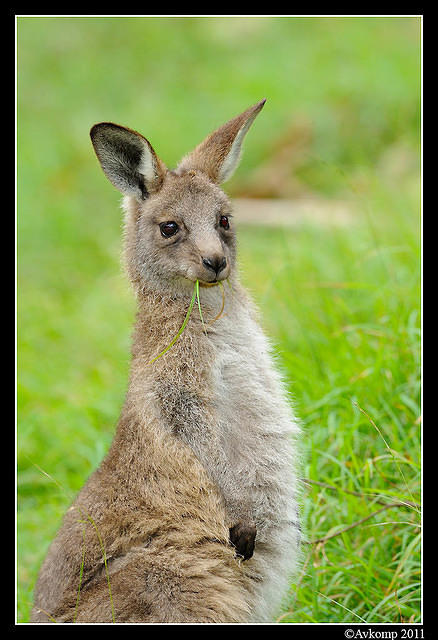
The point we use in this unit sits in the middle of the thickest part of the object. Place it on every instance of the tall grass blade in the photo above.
(81, 572)
(183, 326)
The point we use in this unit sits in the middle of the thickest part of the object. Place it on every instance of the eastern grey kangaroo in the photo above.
(193, 514)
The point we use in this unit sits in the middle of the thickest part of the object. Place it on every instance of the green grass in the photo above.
(342, 304)
(343, 309)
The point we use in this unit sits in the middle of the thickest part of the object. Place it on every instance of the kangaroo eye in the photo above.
(224, 223)
(168, 229)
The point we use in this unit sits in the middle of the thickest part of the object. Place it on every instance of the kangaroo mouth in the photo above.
(218, 278)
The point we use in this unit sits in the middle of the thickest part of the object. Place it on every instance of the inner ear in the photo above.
(127, 159)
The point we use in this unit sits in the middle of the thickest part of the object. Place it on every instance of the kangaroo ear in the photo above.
(127, 159)
(219, 154)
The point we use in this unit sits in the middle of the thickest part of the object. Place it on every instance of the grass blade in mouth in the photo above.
(199, 307)
(183, 326)
(222, 307)
(188, 314)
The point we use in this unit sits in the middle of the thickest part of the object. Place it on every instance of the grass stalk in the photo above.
(183, 326)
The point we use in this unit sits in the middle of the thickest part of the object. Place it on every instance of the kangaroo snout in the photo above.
(215, 263)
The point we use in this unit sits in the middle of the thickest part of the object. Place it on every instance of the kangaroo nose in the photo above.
(217, 263)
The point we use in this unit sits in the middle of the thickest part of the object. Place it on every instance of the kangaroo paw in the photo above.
(242, 537)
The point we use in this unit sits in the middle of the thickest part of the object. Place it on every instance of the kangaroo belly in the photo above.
(258, 431)
(256, 420)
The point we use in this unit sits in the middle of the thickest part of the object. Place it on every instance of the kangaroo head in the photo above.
(178, 222)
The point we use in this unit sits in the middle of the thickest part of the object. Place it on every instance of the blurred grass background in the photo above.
(342, 303)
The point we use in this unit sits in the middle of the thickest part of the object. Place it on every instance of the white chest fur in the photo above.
(255, 415)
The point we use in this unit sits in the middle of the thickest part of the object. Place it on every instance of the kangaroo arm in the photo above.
(190, 417)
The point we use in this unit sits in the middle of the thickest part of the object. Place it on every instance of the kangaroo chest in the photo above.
(250, 400)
